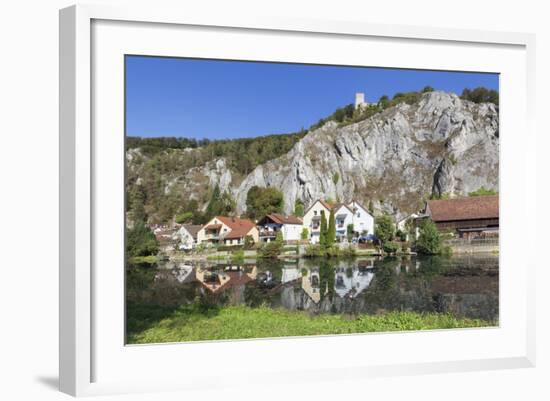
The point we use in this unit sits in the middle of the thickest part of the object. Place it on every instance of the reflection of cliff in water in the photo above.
(463, 286)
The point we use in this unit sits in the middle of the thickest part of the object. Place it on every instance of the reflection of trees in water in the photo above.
(326, 279)
(425, 284)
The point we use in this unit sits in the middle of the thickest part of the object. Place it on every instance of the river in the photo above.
(463, 286)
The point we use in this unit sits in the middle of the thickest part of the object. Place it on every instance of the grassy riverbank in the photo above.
(156, 324)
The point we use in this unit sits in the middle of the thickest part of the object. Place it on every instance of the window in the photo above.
(315, 212)
(358, 214)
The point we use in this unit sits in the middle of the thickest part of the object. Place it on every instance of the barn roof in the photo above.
(472, 208)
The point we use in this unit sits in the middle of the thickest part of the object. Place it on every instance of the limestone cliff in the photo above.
(396, 159)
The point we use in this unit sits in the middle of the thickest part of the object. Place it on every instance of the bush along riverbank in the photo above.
(157, 324)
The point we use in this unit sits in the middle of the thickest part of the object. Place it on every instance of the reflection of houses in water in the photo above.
(361, 281)
(311, 284)
(351, 281)
(232, 276)
(184, 273)
(290, 274)
(342, 282)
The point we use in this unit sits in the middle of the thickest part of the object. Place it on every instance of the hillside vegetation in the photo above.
(168, 177)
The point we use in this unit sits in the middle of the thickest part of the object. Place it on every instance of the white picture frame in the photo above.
(88, 366)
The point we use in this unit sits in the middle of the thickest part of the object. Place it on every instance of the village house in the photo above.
(343, 217)
(406, 223)
(186, 236)
(312, 219)
(363, 221)
(473, 217)
(164, 236)
(227, 231)
(289, 226)
(353, 214)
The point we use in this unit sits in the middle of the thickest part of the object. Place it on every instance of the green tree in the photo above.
(481, 95)
(262, 201)
(371, 208)
(384, 228)
(324, 231)
(305, 233)
(140, 241)
(136, 199)
(184, 217)
(349, 232)
(331, 231)
(214, 207)
(427, 89)
(384, 101)
(299, 208)
(429, 240)
(279, 238)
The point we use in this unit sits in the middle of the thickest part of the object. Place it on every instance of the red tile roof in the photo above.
(282, 219)
(239, 227)
(475, 207)
(213, 227)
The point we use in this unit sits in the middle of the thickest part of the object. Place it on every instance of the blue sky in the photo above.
(232, 99)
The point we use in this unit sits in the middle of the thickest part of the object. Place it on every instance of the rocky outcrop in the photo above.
(394, 159)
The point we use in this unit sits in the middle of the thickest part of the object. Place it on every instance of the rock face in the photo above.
(395, 159)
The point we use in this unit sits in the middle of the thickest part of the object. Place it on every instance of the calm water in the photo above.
(465, 286)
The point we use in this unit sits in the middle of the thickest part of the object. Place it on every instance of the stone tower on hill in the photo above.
(360, 100)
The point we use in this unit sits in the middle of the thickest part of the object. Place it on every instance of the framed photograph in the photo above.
(268, 195)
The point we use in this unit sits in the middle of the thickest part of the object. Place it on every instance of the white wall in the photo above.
(292, 232)
(29, 171)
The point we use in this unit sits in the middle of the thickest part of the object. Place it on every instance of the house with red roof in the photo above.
(227, 231)
(476, 216)
(312, 219)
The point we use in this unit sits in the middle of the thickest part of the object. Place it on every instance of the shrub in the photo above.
(312, 251)
(184, 217)
(248, 242)
(348, 252)
(270, 250)
(429, 241)
(237, 257)
(390, 247)
(305, 233)
(401, 235)
(332, 251)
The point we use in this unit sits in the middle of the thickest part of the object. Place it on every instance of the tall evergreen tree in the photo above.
(331, 232)
(214, 205)
(324, 231)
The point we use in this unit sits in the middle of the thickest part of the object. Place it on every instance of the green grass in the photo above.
(144, 259)
(155, 324)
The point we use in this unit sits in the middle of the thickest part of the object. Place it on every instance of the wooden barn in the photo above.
(473, 217)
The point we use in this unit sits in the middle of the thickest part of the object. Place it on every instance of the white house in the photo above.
(402, 224)
(363, 221)
(271, 224)
(343, 217)
(187, 236)
(312, 219)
